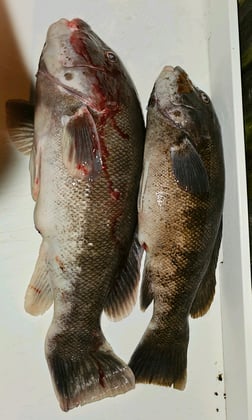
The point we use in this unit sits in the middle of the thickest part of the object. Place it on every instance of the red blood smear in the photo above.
(108, 113)
(74, 23)
(145, 247)
(38, 291)
(115, 194)
(79, 46)
(83, 168)
(120, 132)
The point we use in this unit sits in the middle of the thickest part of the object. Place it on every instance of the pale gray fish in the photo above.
(86, 162)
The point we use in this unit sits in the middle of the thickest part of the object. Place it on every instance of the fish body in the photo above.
(180, 222)
(85, 166)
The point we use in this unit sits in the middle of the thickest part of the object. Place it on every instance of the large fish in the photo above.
(85, 165)
(180, 222)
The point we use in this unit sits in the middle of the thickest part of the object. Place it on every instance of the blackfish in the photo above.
(180, 222)
(86, 138)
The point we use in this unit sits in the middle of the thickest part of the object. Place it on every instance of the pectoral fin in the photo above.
(81, 145)
(20, 124)
(188, 167)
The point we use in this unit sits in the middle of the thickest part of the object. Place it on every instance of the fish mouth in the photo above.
(171, 86)
(178, 77)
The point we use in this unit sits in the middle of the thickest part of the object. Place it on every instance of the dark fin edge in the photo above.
(123, 294)
(152, 363)
(94, 376)
(206, 290)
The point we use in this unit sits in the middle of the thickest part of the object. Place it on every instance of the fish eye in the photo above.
(204, 97)
(111, 56)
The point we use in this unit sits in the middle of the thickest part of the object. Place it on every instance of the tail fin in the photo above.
(160, 361)
(87, 377)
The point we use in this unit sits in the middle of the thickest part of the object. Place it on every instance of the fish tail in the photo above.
(83, 377)
(159, 360)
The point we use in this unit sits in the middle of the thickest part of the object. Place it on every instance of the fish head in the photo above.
(183, 105)
(77, 59)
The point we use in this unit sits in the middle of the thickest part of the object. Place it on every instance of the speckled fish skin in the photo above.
(180, 223)
(85, 168)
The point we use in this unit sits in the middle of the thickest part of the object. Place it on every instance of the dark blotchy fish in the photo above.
(85, 166)
(180, 223)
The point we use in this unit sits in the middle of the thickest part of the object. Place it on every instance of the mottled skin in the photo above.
(179, 228)
(87, 221)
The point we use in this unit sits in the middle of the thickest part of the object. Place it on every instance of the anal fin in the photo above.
(123, 294)
(206, 290)
(39, 296)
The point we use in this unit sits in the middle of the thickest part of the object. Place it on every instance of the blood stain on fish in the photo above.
(38, 291)
(59, 262)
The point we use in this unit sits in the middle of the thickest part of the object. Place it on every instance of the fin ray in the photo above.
(158, 360)
(20, 124)
(123, 294)
(39, 295)
(86, 377)
(188, 168)
(81, 145)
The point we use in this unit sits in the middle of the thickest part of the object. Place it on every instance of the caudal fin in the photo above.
(84, 377)
(160, 361)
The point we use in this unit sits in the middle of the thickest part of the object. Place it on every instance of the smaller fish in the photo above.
(180, 223)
